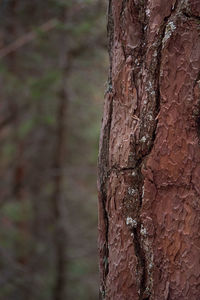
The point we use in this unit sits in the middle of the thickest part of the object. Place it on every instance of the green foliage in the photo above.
(83, 28)
(17, 211)
(42, 86)
(26, 127)
(78, 267)
(62, 3)
(8, 150)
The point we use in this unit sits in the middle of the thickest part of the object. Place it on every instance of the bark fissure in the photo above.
(138, 247)
(145, 291)
(157, 74)
(103, 177)
(142, 262)
(191, 16)
(103, 164)
(123, 6)
(105, 197)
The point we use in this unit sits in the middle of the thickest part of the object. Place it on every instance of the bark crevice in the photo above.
(191, 16)
(103, 162)
(103, 175)
(145, 289)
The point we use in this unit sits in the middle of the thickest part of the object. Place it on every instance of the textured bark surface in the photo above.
(149, 161)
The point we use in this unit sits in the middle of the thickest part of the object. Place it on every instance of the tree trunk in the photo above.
(59, 205)
(149, 161)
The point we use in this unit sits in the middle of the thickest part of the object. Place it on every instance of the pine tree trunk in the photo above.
(149, 161)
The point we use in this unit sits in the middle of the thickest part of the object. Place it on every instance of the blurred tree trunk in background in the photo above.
(149, 161)
(60, 149)
(18, 165)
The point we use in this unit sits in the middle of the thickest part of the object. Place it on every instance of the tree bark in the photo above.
(149, 160)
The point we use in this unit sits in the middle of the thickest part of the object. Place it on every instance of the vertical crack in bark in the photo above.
(110, 29)
(103, 163)
(104, 186)
(157, 70)
(142, 261)
(123, 7)
(145, 291)
(103, 170)
(138, 247)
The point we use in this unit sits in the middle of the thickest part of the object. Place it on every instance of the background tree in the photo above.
(149, 153)
(51, 100)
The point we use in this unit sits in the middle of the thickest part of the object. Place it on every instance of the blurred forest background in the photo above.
(53, 67)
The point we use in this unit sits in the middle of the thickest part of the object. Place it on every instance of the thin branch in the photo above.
(4, 122)
(30, 36)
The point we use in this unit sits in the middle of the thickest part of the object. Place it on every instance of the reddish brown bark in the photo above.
(149, 161)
